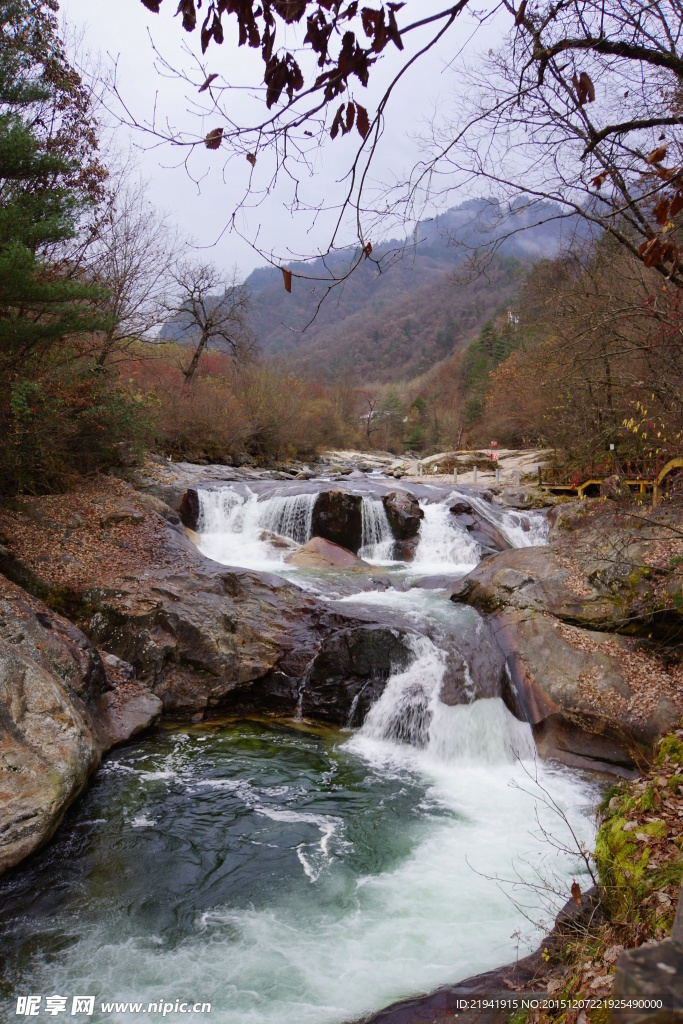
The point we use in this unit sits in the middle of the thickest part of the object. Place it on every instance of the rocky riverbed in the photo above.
(113, 616)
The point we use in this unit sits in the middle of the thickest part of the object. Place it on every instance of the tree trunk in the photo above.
(189, 372)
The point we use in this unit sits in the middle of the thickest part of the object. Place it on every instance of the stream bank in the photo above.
(202, 638)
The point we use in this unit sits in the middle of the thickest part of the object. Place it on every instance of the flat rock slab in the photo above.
(319, 553)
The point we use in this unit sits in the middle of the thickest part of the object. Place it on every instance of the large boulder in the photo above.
(323, 554)
(594, 700)
(404, 514)
(188, 509)
(593, 696)
(337, 517)
(350, 672)
(59, 712)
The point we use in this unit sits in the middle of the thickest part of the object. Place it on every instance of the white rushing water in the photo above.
(444, 546)
(410, 711)
(342, 943)
(346, 942)
(378, 540)
(520, 528)
(244, 530)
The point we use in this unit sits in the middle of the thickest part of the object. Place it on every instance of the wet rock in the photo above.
(319, 553)
(477, 669)
(337, 517)
(278, 542)
(188, 509)
(405, 550)
(461, 508)
(404, 514)
(202, 637)
(487, 536)
(350, 672)
(59, 712)
(465, 520)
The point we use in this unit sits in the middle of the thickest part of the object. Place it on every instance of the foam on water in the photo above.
(300, 879)
(378, 540)
(342, 942)
(243, 530)
(444, 546)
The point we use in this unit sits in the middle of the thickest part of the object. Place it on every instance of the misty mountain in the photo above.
(398, 322)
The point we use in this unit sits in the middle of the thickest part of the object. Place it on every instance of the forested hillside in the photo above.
(396, 324)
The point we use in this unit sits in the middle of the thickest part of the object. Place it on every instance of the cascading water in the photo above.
(290, 874)
(520, 528)
(289, 516)
(378, 540)
(443, 546)
(244, 529)
(410, 711)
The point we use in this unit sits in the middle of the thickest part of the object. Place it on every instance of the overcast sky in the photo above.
(119, 33)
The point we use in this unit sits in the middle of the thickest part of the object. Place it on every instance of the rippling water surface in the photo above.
(281, 873)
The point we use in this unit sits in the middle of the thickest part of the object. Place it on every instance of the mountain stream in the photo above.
(290, 873)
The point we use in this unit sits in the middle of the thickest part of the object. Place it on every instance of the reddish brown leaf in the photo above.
(187, 9)
(214, 138)
(207, 83)
(252, 159)
(585, 89)
(661, 211)
(576, 893)
(362, 121)
(651, 252)
(287, 277)
(367, 249)
(152, 5)
(338, 122)
(350, 118)
(519, 19)
(600, 179)
(676, 203)
(665, 173)
(658, 154)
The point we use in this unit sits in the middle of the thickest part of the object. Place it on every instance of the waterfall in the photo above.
(410, 712)
(378, 540)
(444, 545)
(290, 516)
(242, 530)
(520, 529)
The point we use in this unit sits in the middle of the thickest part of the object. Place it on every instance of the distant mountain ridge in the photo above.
(396, 324)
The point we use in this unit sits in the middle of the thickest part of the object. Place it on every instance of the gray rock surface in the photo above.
(349, 673)
(559, 612)
(337, 517)
(404, 514)
(319, 553)
(59, 712)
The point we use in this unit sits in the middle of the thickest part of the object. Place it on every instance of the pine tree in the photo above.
(48, 177)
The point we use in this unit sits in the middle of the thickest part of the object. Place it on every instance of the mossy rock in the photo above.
(617, 857)
(672, 748)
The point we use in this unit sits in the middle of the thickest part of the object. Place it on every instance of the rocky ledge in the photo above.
(581, 623)
(61, 707)
(155, 628)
